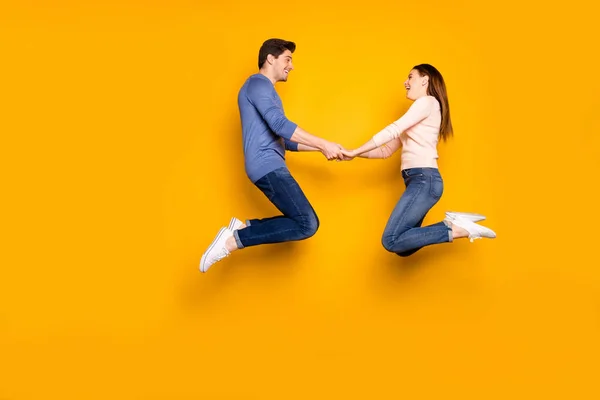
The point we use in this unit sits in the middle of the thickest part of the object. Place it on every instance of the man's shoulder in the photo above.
(259, 82)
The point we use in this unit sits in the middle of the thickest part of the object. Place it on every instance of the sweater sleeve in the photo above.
(260, 93)
(417, 112)
(386, 150)
(290, 146)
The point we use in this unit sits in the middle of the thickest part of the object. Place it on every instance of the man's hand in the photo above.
(332, 151)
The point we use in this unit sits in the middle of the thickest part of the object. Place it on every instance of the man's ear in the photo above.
(270, 59)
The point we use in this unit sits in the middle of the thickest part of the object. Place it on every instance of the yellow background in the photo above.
(121, 158)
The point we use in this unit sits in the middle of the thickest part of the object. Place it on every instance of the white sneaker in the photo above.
(476, 231)
(451, 215)
(234, 224)
(216, 251)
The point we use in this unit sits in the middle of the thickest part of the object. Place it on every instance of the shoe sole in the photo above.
(491, 235)
(203, 259)
(484, 231)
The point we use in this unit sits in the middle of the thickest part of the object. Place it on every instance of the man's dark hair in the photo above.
(275, 47)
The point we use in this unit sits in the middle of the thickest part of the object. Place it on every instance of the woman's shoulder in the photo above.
(426, 103)
(429, 100)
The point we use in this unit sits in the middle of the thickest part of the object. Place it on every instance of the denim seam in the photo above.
(408, 207)
(424, 235)
(298, 210)
(431, 178)
(270, 187)
(268, 234)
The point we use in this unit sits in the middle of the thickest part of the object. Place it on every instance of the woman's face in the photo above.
(416, 85)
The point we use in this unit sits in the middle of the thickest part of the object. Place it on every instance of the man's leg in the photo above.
(298, 222)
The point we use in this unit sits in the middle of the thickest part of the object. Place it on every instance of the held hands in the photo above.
(335, 151)
(332, 151)
(348, 155)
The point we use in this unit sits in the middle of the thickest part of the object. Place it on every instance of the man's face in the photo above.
(282, 66)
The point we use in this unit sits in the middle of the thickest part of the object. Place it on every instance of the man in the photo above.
(267, 134)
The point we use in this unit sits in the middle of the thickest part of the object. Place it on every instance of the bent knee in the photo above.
(310, 225)
(388, 243)
(396, 246)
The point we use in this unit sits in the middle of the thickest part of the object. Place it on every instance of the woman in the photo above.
(418, 132)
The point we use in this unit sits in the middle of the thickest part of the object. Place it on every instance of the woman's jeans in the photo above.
(403, 234)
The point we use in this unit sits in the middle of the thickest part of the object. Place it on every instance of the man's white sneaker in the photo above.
(475, 231)
(234, 224)
(216, 251)
(451, 215)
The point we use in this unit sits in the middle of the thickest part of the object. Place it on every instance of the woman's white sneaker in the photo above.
(451, 215)
(475, 231)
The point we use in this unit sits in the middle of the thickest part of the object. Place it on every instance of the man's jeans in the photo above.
(299, 220)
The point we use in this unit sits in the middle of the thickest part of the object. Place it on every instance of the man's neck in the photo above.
(266, 73)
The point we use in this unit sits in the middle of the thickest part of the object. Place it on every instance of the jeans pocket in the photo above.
(414, 173)
(436, 188)
(265, 186)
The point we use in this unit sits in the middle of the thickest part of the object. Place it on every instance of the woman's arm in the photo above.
(383, 151)
(417, 112)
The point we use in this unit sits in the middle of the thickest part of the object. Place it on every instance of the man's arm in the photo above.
(293, 146)
(329, 149)
(261, 95)
(303, 147)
